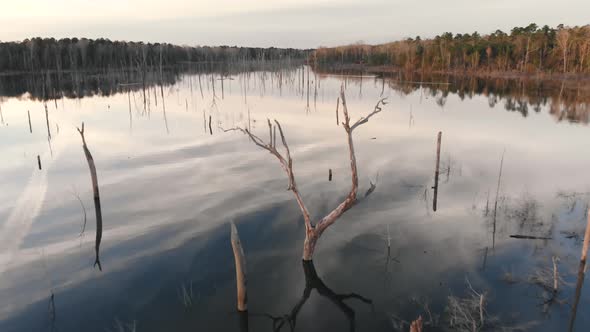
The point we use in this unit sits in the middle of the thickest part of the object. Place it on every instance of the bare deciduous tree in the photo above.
(314, 231)
(563, 40)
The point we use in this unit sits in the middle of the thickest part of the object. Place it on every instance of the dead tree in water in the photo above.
(30, 127)
(436, 171)
(314, 231)
(97, 208)
(241, 278)
(581, 274)
(496, 202)
(240, 260)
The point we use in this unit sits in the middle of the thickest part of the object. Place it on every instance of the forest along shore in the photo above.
(73, 54)
(525, 52)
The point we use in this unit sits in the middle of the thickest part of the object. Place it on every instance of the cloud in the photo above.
(289, 23)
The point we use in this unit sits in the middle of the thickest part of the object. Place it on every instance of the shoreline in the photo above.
(388, 70)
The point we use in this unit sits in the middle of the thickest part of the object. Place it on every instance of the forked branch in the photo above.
(313, 232)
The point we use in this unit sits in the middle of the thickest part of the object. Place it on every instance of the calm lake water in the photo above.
(170, 185)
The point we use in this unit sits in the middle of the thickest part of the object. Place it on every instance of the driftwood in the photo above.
(39, 162)
(240, 260)
(581, 274)
(436, 170)
(97, 209)
(314, 231)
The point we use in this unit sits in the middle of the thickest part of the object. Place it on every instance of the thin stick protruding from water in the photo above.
(47, 120)
(337, 106)
(30, 127)
(436, 171)
(97, 209)
(210, 129)
(496, 202)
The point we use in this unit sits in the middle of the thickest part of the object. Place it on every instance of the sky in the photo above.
(279, 23)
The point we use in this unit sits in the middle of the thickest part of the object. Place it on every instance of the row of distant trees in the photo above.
(40, 54)
(525, 49)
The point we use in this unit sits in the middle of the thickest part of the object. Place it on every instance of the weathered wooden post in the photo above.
(240, 260)
(241, 279)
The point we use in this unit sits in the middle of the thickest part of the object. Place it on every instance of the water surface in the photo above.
(171, 180)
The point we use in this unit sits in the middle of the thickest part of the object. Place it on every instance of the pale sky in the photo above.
(280, 23)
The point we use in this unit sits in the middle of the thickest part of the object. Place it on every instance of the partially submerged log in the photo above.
(97, 209)
(240, 260)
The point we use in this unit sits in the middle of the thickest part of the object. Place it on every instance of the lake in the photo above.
(172, 179)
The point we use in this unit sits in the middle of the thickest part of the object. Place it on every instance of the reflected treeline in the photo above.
(53, 86)
(565, 100)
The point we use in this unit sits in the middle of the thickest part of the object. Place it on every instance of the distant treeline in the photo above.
(53, 85)
(527, 49)
(42, 54)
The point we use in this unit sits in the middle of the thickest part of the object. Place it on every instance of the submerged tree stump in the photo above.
(240, 261)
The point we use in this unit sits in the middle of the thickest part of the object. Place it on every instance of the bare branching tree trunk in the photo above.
(97, 209)
(314, 231)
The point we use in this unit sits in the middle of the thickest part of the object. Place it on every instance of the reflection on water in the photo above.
(313, 282)
(565, 100)
(96, 196)
(170, 180)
